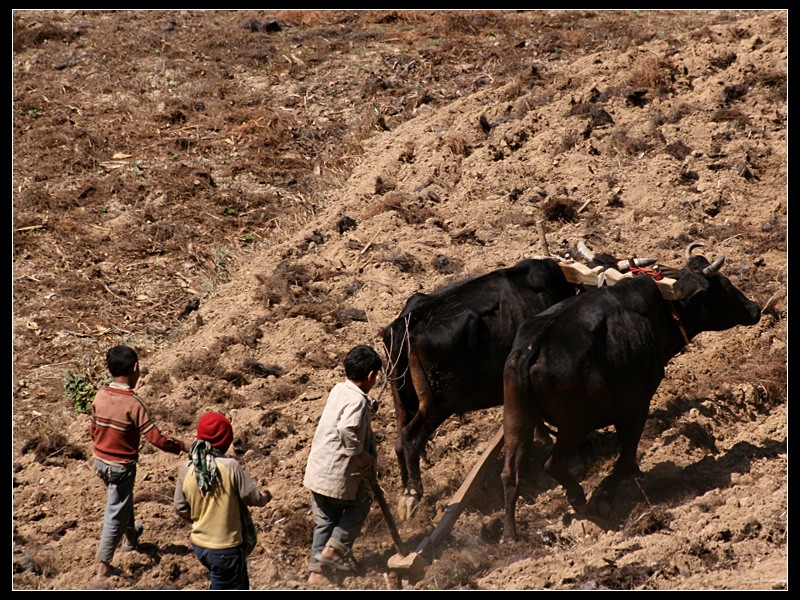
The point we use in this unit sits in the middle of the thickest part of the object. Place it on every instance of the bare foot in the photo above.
(105, 570)
(318, 579)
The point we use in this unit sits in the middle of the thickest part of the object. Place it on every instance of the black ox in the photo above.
(446, 350)
(596, 360)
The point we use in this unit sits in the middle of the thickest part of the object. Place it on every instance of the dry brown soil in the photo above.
(244, 195)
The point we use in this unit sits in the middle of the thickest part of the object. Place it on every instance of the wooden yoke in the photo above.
(580, 274)
(666, 284)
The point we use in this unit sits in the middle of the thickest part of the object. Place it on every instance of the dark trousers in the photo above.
(228, 567)
(337, 523)
(118, 515)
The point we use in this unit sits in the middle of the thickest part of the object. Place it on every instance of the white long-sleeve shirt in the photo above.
(343, 432)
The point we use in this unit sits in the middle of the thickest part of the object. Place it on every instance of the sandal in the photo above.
(99, 584)
(138, 528)
(339, 563)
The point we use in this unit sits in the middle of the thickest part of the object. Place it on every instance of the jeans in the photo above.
(337, 523)
(118, 516)
(228, 567)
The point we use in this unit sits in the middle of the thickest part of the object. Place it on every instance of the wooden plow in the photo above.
(411, 565)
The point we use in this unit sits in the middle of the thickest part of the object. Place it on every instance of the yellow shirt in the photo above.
(216, 517)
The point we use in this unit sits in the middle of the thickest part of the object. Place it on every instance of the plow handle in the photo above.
(377, 491)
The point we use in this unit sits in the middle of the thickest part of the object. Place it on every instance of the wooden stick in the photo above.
(365, 248)
(462, 496)
(542, 239)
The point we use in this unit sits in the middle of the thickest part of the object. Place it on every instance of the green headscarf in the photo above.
(202, 455)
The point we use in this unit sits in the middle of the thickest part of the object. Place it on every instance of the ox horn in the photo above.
(714, 267)
(624, 265)
(691, 247)
(584, 251)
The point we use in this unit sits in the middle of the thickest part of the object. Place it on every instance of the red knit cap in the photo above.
(215, 428)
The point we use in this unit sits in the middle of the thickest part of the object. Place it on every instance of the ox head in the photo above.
(607, 261)
(713, 302)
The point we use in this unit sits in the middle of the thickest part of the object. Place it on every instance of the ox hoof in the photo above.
(580, 507)
(603, 508)
(601, 505)
(406, 506)
(542, 439)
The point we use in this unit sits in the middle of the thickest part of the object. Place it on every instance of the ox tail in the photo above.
(520, 419)
(519, 400)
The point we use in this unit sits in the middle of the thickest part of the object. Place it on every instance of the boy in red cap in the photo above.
(119, 418)
(210, 491)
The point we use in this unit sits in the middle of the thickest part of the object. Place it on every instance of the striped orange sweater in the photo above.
(119, 419)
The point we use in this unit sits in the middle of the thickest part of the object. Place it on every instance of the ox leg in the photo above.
(413, 439)
(415, 435)
(399, 450)
(402, 419)
(557, 466)
(406, 407)
(408, 456)
(542, 435)
(629, 433)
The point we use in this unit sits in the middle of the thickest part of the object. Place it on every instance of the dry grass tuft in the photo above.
(47, 447)
(646, 520)
(560, 209)
(568, 141)
(731, 115)
(653, 73)
(39, 560)
(775, 83)
(458, 145)
(625, 142)
(405, 262)
(447, 265)
(409, 207)
(261, 370)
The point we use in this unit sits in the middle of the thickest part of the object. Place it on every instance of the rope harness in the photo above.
(657, 276)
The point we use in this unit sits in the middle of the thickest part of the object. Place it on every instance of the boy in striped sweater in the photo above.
(119, 418)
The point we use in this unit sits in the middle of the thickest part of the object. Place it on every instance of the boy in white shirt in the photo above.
(342, 446)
